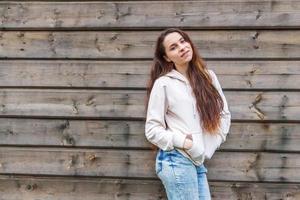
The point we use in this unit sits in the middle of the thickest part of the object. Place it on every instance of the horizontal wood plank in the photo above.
(31, 188)
(34, 188)
(131, 104)
(131, 134)
(140, 44)
(225, 166)
(112, 14)
(110, 157)
(134, 74)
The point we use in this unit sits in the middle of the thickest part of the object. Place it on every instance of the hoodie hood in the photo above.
(177, 75)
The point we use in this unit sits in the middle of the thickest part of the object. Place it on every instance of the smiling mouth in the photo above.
(184, 53)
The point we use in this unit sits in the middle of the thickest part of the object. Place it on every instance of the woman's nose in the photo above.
(181, 47)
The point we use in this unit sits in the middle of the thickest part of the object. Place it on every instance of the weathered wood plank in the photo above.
(225, 166)
(34, 188)
(130, 134)
(131, 104)
(246, 191)
(134, 74)
(190, 14)
(140, 44)
(84, 103)
(30, 188)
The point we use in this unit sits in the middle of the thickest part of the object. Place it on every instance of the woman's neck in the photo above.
(182, 69)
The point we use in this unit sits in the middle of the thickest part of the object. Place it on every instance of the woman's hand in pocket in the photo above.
(188, 142)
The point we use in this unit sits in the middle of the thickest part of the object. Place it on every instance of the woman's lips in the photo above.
(184, 53)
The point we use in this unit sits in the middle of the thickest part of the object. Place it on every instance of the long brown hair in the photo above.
(208, 100)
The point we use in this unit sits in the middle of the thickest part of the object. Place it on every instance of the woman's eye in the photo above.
(182, 41)
(172, 48)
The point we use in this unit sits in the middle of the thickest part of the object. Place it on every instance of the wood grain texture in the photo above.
(131, 104)
(140, 44)
(283, 137)
(33, 188)
(72, 96)
(225, 166)
(67, 188)
(134, 74)
(112, 14)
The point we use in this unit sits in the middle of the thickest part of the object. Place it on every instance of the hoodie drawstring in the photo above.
(194, 109)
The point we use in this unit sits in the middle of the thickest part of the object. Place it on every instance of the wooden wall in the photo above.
(72, 89)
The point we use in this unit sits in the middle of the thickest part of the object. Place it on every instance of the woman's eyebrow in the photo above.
(175, 43)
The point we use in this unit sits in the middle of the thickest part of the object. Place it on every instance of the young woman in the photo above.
(187, 116)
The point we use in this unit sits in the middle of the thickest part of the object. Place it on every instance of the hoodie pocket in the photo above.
(197, 150)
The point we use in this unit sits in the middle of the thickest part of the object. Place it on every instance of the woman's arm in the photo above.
(155, 128)
(213, 142)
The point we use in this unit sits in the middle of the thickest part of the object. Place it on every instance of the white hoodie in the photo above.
(172, 113)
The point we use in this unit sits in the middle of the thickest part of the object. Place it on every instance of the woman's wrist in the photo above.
(189, 136)
(188, 142)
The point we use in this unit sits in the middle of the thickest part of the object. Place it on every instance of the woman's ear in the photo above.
(167, 59)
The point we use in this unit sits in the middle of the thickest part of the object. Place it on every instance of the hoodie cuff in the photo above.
(178, 139)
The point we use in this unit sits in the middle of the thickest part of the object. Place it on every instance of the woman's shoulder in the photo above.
(212, 73)
(163, 80)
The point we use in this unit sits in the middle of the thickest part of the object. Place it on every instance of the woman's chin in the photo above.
(188, 59)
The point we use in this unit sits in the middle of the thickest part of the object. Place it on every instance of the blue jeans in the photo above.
(182, 179)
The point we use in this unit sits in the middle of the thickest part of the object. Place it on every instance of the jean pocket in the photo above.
(158, 167)
(202, 169)
(158, 161)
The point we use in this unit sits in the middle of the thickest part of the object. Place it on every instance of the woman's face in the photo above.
(177, 50)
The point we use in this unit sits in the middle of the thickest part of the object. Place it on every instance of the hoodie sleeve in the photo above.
(156, 130)
(213, 142)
